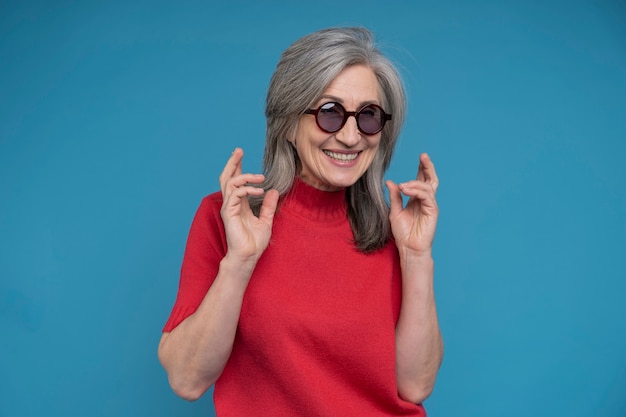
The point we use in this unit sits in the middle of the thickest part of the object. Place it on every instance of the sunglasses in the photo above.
(331, 117)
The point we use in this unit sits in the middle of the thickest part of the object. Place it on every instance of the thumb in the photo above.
(268, 208)
(395, 198)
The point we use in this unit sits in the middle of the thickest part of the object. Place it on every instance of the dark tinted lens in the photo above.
(370, 119)
(330, 117)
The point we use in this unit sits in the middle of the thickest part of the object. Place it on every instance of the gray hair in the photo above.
(305, 70)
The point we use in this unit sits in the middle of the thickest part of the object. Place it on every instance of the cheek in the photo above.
(374, 154)
(375, 147)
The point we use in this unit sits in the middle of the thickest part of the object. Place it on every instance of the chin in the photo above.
(344, 183)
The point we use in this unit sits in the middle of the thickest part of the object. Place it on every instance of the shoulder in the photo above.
(210, 204)
(212, 200)
(207, 220)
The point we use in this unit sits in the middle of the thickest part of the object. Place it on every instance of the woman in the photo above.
(302, 293)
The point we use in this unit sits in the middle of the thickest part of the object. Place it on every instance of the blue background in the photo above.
(116, 118)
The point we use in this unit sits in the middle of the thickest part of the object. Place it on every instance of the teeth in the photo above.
(342, 156)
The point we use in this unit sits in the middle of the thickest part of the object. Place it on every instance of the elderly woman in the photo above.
(302, 292)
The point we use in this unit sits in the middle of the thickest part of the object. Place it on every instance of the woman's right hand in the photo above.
(247, 235)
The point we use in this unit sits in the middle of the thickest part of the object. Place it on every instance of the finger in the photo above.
(240, 181)
(244, 179)
(242, 186)
(240, 193)
(429, 168)
(420, 170)
(410, 188)
(426, 171)
(419, 190)
(237, 200)
(232, 167)
(395, 198)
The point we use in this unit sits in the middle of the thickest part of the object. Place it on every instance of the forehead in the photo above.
(356, 84)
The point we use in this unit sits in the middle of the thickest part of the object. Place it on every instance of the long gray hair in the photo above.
(305, 70)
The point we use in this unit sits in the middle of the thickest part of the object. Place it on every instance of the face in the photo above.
(333, 161)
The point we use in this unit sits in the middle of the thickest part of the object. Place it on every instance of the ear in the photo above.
(291, 136)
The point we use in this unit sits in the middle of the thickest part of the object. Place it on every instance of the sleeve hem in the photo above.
(178, 315)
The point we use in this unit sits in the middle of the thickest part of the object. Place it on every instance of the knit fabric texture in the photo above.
(316, 335)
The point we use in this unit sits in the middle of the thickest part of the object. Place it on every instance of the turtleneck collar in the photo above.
(313, 203)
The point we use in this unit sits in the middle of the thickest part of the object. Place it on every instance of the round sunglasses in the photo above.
(331, 117)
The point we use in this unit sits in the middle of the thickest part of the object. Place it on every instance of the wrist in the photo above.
(413, 255)
(417, 266)
(236, 265)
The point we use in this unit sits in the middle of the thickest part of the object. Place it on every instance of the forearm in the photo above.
(196, 351)
(419, 345)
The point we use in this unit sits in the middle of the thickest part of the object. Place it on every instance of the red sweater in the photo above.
(316, 334)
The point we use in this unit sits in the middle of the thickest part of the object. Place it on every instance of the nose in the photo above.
(349, 134)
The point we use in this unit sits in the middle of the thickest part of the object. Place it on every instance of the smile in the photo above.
(342, 156)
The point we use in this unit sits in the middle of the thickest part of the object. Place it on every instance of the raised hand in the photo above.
(413, 226)
(247, 235)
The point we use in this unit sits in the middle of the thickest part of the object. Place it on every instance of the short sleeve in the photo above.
(205, 248)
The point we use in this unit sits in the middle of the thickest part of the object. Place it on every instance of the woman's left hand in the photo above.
(413, 226)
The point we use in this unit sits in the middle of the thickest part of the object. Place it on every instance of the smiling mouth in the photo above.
(345, 157)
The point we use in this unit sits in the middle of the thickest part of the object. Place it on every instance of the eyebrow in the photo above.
(341, 101)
